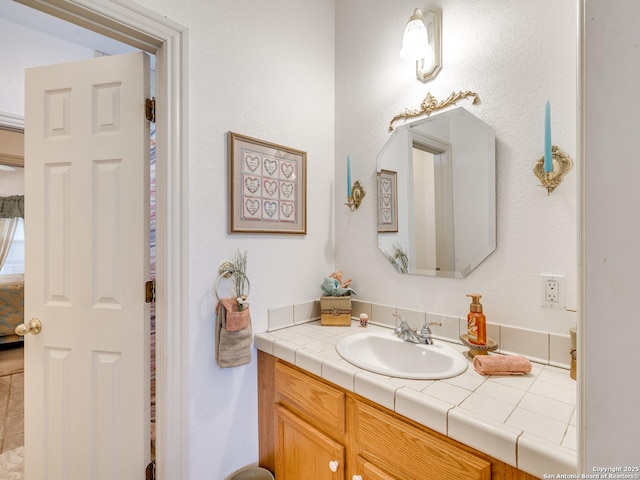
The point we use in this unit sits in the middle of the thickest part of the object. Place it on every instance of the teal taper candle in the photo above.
(348, 176)
(548, 161)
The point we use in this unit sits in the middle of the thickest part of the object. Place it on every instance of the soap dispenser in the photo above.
(476, 322)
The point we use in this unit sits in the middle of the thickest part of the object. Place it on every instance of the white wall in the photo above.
(611, 235)
(515, 55)
(21, 48)
(11, 146)
(12, 183)
(263, 69)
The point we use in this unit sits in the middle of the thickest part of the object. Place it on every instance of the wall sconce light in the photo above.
(422, 43)
(355, 192)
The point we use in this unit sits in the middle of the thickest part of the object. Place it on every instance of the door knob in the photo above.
(32, 326)
(333, 466)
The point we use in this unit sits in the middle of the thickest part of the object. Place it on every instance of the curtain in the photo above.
(7, 230)
(12, 206)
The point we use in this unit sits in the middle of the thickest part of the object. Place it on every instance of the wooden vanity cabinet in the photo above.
(313, 430)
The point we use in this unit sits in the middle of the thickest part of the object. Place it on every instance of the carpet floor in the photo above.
(11, 360)
(11, 398)
(12, 464)
(11, 413)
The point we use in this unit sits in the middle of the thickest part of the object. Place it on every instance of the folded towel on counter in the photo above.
(501, 365)
(233, 334)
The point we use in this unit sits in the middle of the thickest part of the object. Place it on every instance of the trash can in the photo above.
(253, 473)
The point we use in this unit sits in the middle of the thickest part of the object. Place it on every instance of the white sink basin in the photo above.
(386, 354)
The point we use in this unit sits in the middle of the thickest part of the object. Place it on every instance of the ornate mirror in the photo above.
(437, 195)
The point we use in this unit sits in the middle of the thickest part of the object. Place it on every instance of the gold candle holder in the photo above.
(562, 165)
(357, 194)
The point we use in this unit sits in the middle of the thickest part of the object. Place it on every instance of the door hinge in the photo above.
(151, 471)
(150, 291)
(150, 109)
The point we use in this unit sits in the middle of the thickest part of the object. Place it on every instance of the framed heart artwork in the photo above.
(267, 187)
(387, 201)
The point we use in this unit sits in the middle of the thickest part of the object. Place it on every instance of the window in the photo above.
(15, 259)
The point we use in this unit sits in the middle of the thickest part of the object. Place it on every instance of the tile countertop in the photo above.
(527, 421)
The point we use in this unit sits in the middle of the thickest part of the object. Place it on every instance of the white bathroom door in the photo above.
(87, 260)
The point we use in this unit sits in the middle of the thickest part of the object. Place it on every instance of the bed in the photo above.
(11, 307)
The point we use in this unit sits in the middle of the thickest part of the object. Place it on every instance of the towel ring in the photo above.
(226, 271)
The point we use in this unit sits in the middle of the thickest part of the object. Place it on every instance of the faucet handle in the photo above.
(425, 328)
(398, 329)
(401, 318)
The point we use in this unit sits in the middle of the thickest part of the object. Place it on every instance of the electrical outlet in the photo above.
(552, 290)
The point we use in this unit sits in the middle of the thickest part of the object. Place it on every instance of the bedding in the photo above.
(11, 306)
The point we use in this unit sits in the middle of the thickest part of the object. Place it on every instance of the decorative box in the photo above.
(335, 311)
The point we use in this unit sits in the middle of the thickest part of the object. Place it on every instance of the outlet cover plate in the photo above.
(552, 291)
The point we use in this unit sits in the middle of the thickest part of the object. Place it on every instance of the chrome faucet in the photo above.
(406, 333)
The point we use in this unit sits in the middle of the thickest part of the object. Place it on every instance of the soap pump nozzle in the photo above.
(475, 306)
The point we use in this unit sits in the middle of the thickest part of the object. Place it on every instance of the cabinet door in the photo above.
(303, 452)
(410, 453)
(366, 471)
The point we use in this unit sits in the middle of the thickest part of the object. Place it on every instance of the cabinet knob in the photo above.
(356, 477)
(333, 466)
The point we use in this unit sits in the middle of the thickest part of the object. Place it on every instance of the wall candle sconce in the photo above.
(561, 164)
(355, 192)
(555, 164)
(421, 43)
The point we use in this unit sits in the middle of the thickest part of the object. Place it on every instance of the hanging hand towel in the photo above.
(233, 334)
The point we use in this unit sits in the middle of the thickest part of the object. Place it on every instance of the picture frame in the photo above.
(267, 187)
(387, 201)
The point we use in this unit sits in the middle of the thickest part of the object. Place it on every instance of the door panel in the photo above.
(304, 452)
(366, 471)
(87, 259)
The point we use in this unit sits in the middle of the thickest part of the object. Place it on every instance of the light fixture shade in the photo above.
(422, 43)
(415, 42)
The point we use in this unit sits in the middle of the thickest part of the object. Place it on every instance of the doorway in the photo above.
(11, 292)
(149, 32)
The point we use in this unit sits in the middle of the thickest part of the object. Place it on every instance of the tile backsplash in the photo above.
(542, 347)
